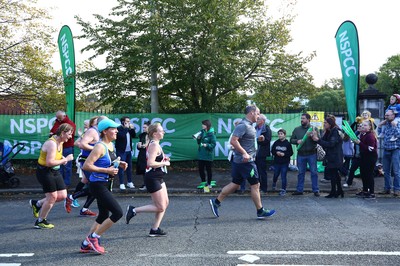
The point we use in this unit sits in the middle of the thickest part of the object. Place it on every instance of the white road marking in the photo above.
(10, 264)
(8, 255)
(249, 258)
(295, 252)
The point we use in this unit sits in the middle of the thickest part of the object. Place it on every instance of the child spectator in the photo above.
(348, 153)
(394, 105)
(355, 162)
(281, 150)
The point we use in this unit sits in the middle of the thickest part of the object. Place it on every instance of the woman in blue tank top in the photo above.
(103, 166)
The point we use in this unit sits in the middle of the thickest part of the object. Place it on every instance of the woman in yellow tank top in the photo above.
(49, 177)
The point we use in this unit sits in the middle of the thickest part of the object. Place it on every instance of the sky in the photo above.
(313, 29)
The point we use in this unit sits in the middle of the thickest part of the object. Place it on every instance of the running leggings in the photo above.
(105, 202)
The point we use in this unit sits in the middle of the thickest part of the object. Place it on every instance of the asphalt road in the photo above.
(305, 231)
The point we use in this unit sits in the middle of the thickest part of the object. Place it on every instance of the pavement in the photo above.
(182, 181)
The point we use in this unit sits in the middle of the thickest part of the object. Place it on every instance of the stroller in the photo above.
(6, 168)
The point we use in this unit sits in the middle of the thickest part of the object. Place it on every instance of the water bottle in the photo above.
(115, 163)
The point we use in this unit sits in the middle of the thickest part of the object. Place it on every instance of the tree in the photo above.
(330, 96)
(208, 54)
(26, 48)
(389, 77)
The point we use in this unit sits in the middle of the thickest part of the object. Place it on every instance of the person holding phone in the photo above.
(123, 144)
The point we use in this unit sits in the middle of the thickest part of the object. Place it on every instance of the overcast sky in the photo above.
(314, 29)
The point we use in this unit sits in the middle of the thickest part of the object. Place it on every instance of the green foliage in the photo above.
(389, 77)
(328, 99)
(26, 48)
(209, 55)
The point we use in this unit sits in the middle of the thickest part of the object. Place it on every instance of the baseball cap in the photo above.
(106, 123)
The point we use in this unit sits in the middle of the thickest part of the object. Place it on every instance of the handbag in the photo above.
(320, 153)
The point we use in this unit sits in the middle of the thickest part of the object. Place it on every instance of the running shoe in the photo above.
(75, 203)
(158, 232)
(86, 249)
(265, 213)
(95, 245)
(67, 204)
(35, 208)
(214, 207)
(142, 187)
(87, 213)
(130, 213)
(43, 224)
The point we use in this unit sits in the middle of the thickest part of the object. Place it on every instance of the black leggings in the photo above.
(105, 202)
(207, 166)
(336, 186)
(367, 165)
(82, 190)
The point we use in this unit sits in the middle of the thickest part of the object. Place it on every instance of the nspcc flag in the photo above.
(67, 54)
(348, 50)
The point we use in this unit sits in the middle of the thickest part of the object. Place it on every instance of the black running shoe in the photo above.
(158, 232)
(130, 213)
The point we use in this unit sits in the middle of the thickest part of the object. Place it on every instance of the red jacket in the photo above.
(70, 142)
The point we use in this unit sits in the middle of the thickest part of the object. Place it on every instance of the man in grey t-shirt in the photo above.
(245, 135)
(243, 166)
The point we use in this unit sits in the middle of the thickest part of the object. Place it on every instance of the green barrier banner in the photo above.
(33, 130)
(67, 55)
(348, 50)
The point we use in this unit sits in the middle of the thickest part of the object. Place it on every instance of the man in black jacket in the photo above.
(264, 150)
(123, 145)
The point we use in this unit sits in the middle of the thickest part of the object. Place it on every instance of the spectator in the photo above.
(391, 152)
(348, 154)
(123, 144)
(332, 144)
(368, 157)
(355, 161)
(141, 159)
(206, 141)
(306, 154)
(282, 151)
(264, 134)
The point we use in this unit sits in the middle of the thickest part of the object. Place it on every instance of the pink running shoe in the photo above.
(94, 244)
(86, 249)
